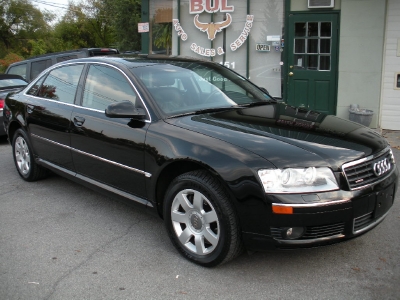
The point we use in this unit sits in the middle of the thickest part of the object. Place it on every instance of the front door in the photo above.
(312, 61)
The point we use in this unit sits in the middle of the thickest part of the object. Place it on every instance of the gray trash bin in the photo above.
(360, 115)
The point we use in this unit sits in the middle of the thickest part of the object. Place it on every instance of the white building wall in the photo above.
(362, 30)
(390, 104)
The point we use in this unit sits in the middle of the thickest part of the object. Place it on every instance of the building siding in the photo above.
(390, 104)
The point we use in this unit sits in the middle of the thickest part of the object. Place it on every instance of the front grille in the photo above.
(316, 232)
(312, 232)
(362, 222)
(361, 173)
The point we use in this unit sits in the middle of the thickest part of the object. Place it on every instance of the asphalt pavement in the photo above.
(60, 240)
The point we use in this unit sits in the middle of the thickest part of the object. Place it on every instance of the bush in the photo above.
(8, 60)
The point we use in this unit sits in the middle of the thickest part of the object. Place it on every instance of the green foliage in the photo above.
(8, 60)
(26, 31)
(125, 14)
(162, 34)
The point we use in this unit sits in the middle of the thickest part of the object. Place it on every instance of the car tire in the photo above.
(24, 160)
(200, 219)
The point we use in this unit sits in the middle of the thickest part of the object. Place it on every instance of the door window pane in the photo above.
(325, 46)
(299, 46)
(61, 84)
(300, 29)
(299, 61)
(325, 63)
(312, 29)
(104, 86)
(326, 29)
(312, 62)
(312, 46)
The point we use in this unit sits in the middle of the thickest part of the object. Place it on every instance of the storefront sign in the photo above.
(211, 29)
(179, 29)
(143, 27)
(263, 47)
(210, 6)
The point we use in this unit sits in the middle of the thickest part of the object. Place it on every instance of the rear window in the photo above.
(11, 82)
(38, 66)
(18, 70)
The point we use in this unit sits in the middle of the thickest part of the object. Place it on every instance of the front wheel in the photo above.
(23, 158)
(200, 219)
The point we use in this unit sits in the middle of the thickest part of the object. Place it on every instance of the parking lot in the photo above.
(60, 240)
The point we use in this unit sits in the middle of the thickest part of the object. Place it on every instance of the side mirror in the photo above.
(125, 109)
(264, 90)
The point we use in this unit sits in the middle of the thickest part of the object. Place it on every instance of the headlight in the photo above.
(298, 180)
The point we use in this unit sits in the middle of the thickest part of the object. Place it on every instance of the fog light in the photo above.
(292, 233)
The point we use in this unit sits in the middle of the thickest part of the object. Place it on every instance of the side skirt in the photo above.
(97, 186)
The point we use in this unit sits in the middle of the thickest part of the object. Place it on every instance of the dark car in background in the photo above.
(8, 84)
(32, 67)
(225, 165)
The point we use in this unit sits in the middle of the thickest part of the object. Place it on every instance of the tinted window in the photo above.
(18, 70)
(106, 85)
(67, 57)
(35, 88)
(11, 82)
(61, 84)
(38, 66)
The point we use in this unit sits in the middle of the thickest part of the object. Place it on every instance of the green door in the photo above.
(312, 61)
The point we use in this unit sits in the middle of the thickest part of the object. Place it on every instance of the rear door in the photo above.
(49, 107)
(109, 151)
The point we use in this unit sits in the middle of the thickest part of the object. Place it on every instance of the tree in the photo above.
(125, 15)
(86, 24)
(20, 21)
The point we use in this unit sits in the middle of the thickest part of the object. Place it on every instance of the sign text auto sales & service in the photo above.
(211, 29)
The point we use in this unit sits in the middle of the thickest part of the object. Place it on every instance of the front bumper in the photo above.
(332, 221)
(2, 130)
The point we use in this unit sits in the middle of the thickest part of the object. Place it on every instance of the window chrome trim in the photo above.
(305, 205)
(27, 88)
(309, 241)
(148, 175)
(96, 183)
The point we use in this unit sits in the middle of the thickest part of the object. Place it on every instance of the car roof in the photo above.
(130, 61)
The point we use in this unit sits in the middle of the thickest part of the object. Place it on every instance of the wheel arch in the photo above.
(173, 170)
(12, 128)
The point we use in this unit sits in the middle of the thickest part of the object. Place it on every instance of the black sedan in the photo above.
(8, 84)
(226, 166)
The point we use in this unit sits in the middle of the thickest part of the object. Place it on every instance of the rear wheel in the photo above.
(200, 219)
(23, 158)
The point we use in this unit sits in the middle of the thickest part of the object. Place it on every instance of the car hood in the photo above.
(288, 136)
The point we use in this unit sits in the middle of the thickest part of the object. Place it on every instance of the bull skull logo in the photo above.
(212, 28)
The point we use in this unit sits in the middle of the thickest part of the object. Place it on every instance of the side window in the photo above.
(39, 66)
(106, 85)
(61, 84)
(18, 70)
(35, 88)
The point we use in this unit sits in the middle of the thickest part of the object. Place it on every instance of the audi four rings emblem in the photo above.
(381, 167)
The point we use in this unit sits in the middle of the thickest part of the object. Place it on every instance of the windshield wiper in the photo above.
(206, 110)
(258, 103)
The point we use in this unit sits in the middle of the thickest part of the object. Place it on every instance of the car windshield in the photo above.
(187, 87)
(11, 82)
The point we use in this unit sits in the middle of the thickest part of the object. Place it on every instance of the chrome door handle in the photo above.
(30, 108)
(291, 73)
(78, 121)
